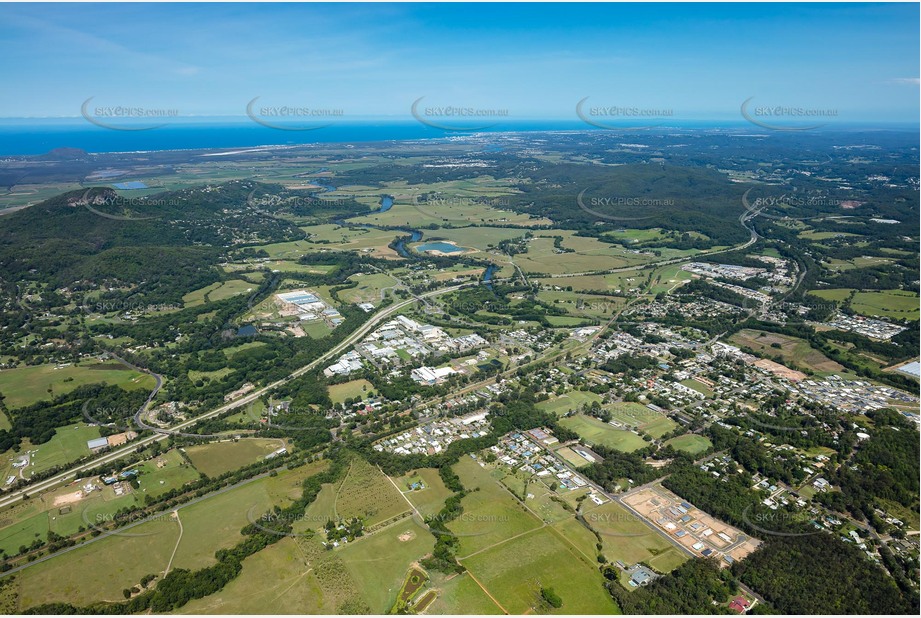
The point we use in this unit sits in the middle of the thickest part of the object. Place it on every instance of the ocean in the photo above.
(33, 137)
(29, 136)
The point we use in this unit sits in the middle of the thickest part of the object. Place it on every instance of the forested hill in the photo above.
(95, 234)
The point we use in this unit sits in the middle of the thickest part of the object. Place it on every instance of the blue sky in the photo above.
(535, 60)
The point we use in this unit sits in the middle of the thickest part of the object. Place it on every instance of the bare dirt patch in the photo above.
(70, 498)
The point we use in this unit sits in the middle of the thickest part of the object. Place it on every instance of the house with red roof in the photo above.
(740, 605)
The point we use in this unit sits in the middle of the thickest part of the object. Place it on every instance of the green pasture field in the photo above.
(68, 444)
(514, 572)
(293, 266)
(217, 458)
(895, 304)
(816, 235)
(378, 562)
(275, 580)
(454, 203)
(491, 514)
(619, 283)
(24, 386)
(631, 235)
(480, 238)
(578, 536)
(837, 265)
(195, 376)
(587, 255)
(545, 502)
(332, 237)
(231, 288)
(29, 194)
(791, 348)
(101, 570)
(369, 494)
(627, 538)
(197, 297)
(459, 594)
(249, 345)
(369, 289)
(215, 292)
(668, 279)
(592, 306)
(566, 321)
(430, 500)
(216, 523)
(458, 271)
(39, 515)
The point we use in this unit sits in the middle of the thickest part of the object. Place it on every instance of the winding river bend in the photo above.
(386, 203)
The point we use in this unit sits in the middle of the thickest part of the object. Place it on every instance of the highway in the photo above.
(162, 434)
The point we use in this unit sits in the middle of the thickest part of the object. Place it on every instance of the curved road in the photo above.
(743, 219)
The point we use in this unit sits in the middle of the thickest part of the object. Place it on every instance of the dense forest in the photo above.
(818, 574)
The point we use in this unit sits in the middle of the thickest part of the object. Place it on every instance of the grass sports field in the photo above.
(216, 458)
(572, 457)
(355, 389)
(594, 431)
(700, 387)
(572, 400)
(24, 386)
(640, 417)
(690, 443)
